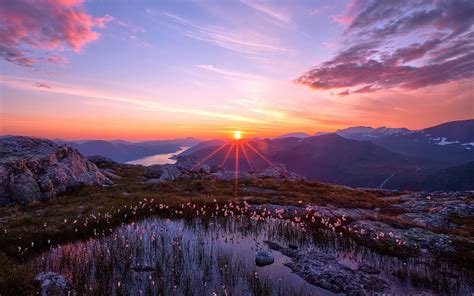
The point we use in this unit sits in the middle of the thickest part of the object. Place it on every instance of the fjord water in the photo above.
(202, 256)
(165, 158)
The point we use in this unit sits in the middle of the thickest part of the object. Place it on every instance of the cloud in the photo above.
(223, 38)
(268, 10)
(443, 51)
(51, 25)
(147, 104)
(41, 85)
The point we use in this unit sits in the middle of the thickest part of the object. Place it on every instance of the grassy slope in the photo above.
(54, 219)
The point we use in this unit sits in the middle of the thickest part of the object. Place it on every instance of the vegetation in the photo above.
(84, 212)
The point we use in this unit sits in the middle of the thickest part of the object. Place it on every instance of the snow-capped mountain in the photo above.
(365, 133)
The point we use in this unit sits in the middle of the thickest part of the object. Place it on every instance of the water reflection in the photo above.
(158, 158)
(202, 256)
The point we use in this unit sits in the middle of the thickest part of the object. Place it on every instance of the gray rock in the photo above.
(278, 171)
(325, 271)
(99, 159)
(263, 258)
(53, 284)
(164, 172)
(34, 169)
(205, 169)
(187, 163)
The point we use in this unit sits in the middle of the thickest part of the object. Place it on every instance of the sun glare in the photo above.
(237, 135)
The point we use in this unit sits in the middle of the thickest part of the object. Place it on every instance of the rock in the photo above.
(187, 163)
(109, 173)
(35, 169)
(205, 169)
(99, 159)
(231, 175)
(325, 271)
(165, 172)
(53, 284)
(263, 258)
(278, 171)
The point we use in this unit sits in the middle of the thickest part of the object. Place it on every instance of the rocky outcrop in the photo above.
(99, 159)
(325, 271)
(35, 169)
(415, 223)
(187, 167)
(53, 284)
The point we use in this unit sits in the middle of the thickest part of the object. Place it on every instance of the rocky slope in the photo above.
(35, 169)
(187, 167)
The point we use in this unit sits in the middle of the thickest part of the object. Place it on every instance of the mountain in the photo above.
(391, 158)
(201, 146)
(448, 144)
(454, 178)
(328, 158)
(461, 131)
(364, 133)
(121, 152)
(294, 135)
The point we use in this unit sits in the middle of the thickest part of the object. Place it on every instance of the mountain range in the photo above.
(123, 151)
(435, 158)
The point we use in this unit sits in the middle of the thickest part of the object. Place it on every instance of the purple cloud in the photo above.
(443, 50)
(27, 25)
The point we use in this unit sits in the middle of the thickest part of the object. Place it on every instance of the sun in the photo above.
(237, 135)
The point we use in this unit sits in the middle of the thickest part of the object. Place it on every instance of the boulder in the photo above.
(34, 169)
(53, 284)
(187, 163)
(278, 171)
(99, 159)
(263, 258)
(164, 172)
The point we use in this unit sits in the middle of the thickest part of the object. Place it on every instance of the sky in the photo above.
(138, 70)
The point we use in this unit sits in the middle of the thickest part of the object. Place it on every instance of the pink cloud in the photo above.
(442, 54)
(51, 25)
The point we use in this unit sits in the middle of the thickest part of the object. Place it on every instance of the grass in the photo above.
(84, 212)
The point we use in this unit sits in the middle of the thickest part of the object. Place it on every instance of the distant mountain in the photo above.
(327, 158)
(201, 146)
(391, 158)
(450, 144)
(294, 135)
(455, 131)
(454, 178)
(121, 152)
(364, 133)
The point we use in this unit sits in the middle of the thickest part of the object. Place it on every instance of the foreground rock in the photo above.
(415, 224)
(189, 168)
(263, 258)
(325, 271)
(53, 284)
(35, 169)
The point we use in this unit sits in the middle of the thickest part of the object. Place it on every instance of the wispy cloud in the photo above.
(268, 10)
(223, 38)
(147, 104)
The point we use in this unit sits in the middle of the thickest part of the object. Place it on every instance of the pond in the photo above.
(216, 256)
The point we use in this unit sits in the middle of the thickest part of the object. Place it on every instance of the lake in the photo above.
(158, 158)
